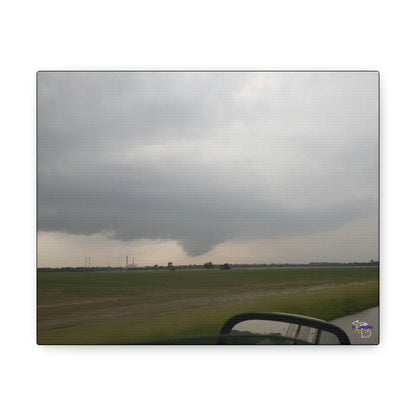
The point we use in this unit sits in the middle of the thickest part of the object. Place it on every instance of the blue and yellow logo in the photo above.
(361, 327)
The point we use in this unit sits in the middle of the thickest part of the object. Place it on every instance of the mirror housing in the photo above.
(280, 328)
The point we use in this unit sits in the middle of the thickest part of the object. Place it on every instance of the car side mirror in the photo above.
(280, 329)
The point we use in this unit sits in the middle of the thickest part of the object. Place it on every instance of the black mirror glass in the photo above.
(256, 331)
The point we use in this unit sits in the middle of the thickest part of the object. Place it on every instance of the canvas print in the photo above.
(207, 207)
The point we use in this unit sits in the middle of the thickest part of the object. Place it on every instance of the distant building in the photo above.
(130, 265)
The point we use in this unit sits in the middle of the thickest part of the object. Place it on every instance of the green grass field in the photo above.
(128, 307)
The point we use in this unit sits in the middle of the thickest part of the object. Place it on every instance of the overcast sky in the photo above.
(219, 166)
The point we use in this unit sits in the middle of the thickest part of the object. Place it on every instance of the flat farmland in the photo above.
(140, 306)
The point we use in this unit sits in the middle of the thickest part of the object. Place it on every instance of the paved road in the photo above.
(370, 316)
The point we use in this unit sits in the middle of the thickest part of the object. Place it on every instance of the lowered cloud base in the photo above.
(208, 158)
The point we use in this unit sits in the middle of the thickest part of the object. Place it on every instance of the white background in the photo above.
(211, 35)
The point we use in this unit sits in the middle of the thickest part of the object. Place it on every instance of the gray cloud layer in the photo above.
(206, 157)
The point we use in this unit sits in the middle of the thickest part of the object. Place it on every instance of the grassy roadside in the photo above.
(325, 304)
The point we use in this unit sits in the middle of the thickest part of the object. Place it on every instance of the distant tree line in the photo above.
(312, 264)
(208, 265)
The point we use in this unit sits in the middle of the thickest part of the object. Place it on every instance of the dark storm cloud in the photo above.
(205, 157)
